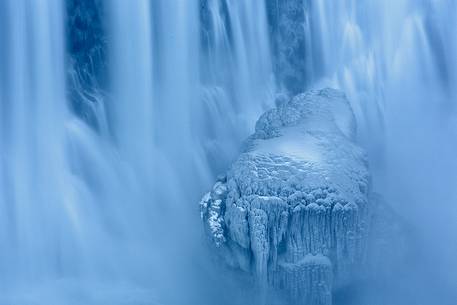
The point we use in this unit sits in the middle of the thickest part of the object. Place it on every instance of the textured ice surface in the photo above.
(293, 210)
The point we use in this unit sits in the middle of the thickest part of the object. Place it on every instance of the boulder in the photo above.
(294, 210)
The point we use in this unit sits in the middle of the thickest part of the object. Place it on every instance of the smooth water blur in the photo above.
(396, 61)
(109, 215)
(236, 74)
(35, 193)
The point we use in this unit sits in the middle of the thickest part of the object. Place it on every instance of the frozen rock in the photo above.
(294, 208)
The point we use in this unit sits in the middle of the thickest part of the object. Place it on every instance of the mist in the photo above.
(116, 117)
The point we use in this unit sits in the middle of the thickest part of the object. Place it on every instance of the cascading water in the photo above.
(407, 49)
(50, 220)
(236, 74)
(35, 193)
(396, 62)
(98, 190)
(100, 167)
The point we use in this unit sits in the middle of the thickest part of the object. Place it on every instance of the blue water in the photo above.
(115, 116)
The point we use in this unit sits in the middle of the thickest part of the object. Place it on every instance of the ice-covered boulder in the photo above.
(294, 208)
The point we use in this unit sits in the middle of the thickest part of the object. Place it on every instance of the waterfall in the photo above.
(99, 179)
(396, 62)
(38, 222)
(116, 115)
(408, 49)
(51, 222)
(236, 74)
(399, 72)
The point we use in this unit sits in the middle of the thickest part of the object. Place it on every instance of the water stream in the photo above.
(108, 200)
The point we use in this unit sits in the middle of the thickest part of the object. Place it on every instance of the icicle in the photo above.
(294, 201)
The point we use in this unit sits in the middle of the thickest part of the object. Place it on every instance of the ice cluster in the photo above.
(294, 208)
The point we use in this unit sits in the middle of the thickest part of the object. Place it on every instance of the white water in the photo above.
(111, 216)
(115, 209)
(386, 55)
(397, 62)
(35, 194)
(236, 74)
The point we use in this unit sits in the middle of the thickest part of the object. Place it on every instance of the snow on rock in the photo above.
(293, 210)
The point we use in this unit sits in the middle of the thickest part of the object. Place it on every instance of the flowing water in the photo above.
(109, 213)
(104, 214)
(35, 194)
(396, 61)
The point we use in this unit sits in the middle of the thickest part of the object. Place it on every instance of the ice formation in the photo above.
(294, 208)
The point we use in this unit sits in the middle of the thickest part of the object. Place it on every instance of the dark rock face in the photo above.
(87, 47)
(288, 26)
(289, 37)
(87, 59)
